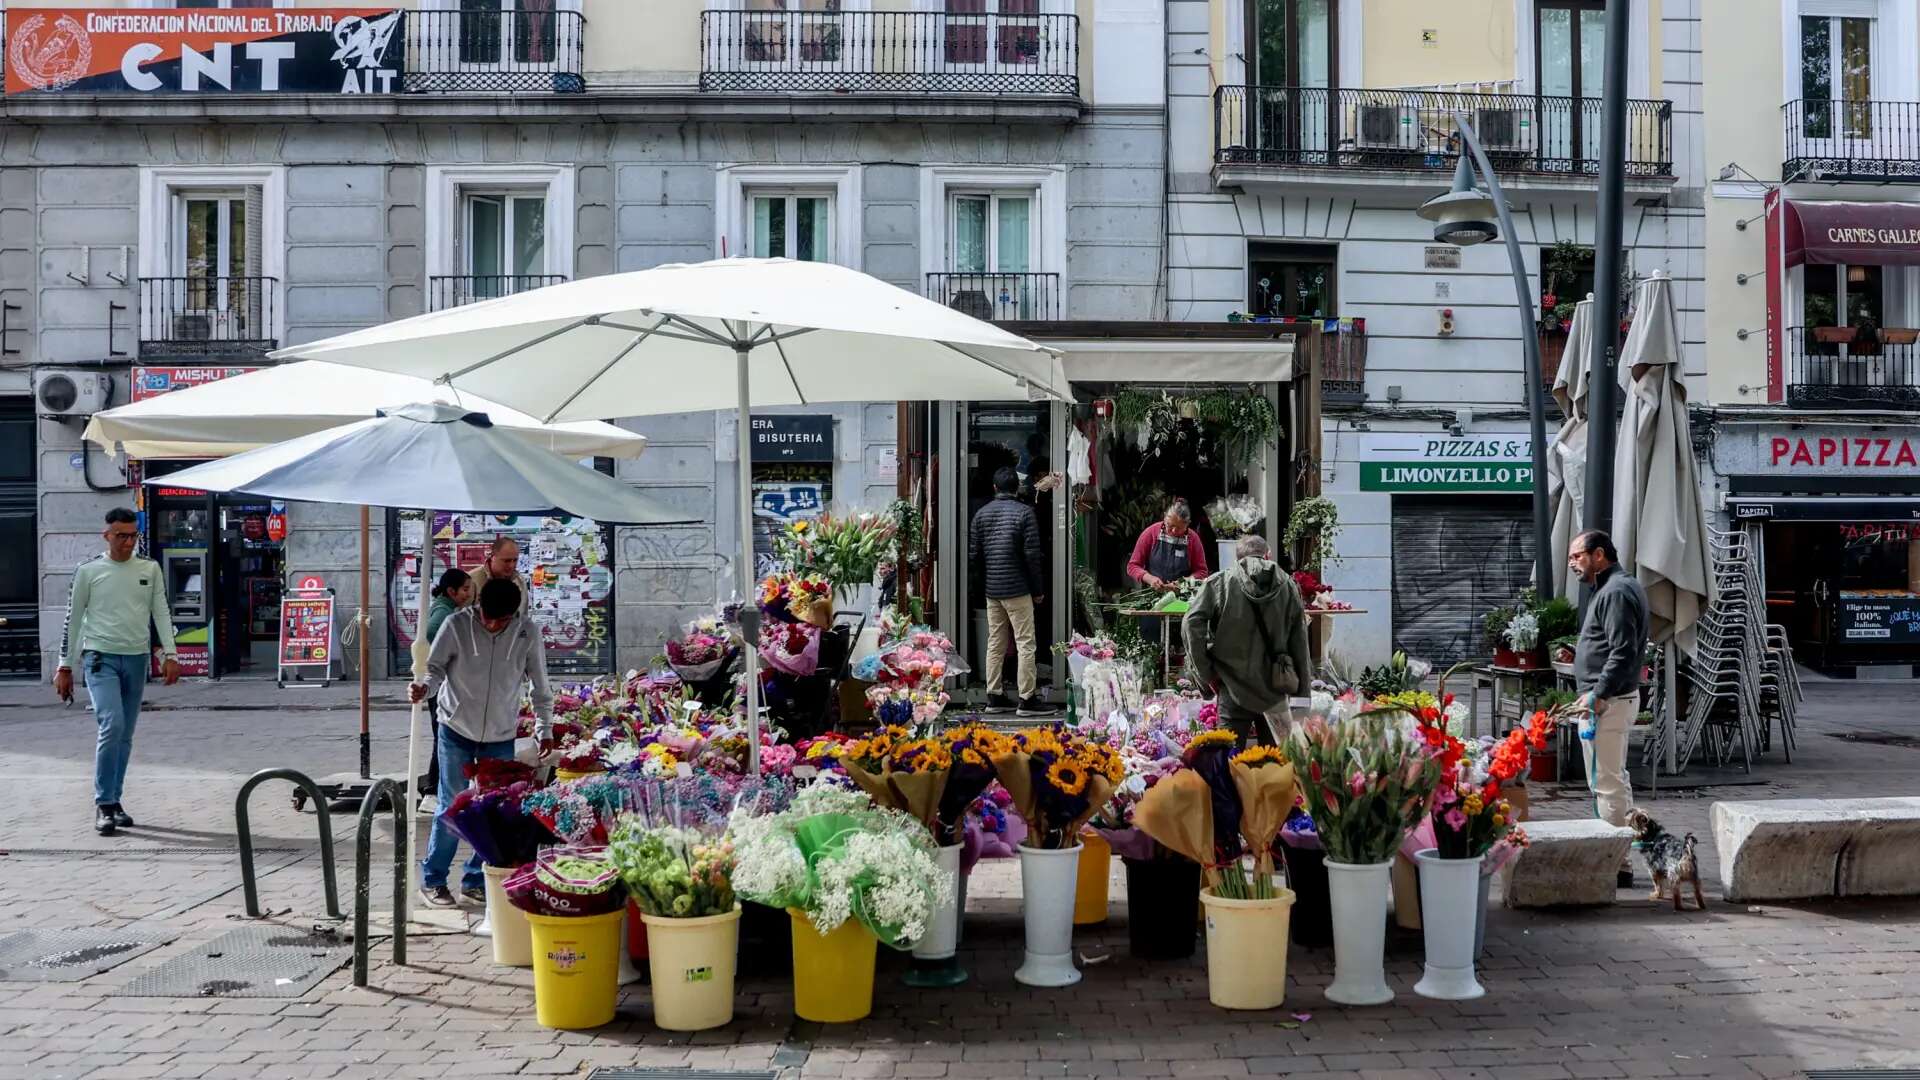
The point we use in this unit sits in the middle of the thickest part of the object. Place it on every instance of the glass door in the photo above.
(506, 243)
(1570, 70)
(990, 256)
(795, 35)
(1294, 70)
(1836, 85)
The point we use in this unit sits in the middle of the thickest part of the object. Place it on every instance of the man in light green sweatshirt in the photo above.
(116, 597)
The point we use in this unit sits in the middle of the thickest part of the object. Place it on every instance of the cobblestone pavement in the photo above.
(1633, 991)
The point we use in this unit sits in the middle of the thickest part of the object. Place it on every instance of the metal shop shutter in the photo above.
(1454, 559)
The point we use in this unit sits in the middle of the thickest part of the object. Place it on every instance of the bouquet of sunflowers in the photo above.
(1057, 779)
(933, 780)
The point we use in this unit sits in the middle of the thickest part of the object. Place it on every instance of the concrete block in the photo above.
(1566, 863)
(1780, 849)
(1884, 858)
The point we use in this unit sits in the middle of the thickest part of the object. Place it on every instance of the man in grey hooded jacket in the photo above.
(1247, 640)
(482, 656)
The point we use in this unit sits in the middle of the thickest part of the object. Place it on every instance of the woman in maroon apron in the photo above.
(1167, 551)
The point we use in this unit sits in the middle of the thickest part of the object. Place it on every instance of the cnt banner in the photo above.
(346, 50)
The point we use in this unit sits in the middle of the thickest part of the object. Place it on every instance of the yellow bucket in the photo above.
(576, 969)
(1247, 950)
(832, 974)
(1090, 887)
(692, 962)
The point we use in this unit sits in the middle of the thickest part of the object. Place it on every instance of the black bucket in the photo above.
(766, 940)
(1312, 910)
(1163, 907)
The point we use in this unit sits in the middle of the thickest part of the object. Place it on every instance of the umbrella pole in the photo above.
(419, 711)
(366, 688)
(749, 611)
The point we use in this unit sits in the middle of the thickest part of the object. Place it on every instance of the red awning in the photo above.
(1873, 234)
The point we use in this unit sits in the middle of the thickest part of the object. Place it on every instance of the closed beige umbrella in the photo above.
(1567, 456)
(1659, 523)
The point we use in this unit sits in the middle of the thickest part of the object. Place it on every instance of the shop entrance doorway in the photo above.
(223, 558)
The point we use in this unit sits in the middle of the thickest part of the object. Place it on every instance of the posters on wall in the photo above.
(565, 561)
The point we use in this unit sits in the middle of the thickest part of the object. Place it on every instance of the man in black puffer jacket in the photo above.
(1003, 544)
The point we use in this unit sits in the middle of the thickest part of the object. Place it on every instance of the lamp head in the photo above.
(1465, 215)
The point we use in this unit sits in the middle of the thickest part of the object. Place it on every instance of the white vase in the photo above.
(935, 956)
(1047, 879)
(512, 934)
(1449, 893)
(1358, 896)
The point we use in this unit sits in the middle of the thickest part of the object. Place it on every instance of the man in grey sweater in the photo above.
(482, 656)
(1607, 665)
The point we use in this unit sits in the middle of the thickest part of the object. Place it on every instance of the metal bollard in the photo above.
(395, 795)
(243, 826)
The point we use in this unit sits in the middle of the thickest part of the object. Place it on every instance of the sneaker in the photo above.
(1033, 706)
(437, 896)
(475, 893)
(120, 817)
(103, 820)
(998, 703)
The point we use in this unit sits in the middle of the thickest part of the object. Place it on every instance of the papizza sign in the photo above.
(197, 51)
(1416, 462)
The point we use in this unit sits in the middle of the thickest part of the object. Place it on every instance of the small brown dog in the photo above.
(1669, 858)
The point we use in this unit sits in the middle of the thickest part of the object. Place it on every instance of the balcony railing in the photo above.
(1841, 367)
(1413, 130)
(494, 52)
(1852, 140)
(202, 316)
(452, 290)
(889, 52)
(1000, 297)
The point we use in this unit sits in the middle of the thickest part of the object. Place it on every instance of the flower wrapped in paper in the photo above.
(494, 822)
(574, 880)
(932, 780)
(1366, 779)
(1220, 810)
(1057, 780)
(1472, 812)
(790, 648)
(701, 650)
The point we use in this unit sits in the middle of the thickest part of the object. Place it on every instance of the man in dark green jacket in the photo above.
(1247, 639)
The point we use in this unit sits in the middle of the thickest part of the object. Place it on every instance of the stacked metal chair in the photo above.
(1731, 667)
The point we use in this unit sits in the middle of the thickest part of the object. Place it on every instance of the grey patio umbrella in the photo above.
(1567, 456)
(434, 456)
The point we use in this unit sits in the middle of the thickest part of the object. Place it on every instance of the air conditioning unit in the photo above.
(63, 392)
(1499, 129)
(1380, 125)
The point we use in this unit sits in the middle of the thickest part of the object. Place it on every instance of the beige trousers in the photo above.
(1606, 758)
(1015, 615)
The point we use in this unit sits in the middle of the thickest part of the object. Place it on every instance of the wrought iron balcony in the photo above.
(1413, 130)
(452, 290)
(510, 51)
(207, 316)
(889, 52)
(1844, 367)
(1000, 297)
(1870, 141)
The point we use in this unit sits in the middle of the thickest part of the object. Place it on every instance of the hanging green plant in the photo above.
(1239, 420)
(1317, 521)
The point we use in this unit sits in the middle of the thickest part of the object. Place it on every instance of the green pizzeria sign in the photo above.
(1417, 463)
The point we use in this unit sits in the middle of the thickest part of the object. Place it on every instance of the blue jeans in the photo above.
(456, 751)
(115, 683)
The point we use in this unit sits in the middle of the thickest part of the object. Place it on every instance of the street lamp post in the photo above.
(1461, 216)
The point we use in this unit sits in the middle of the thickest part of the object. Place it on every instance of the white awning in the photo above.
(1177, 360)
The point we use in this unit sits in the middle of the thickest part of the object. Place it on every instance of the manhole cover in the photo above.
(70, 955)
(252, 962)
(1863, 1074)
(675, 1074)
(1877, 738)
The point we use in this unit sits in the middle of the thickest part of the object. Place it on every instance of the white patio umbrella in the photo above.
(435, 456)
(272, 404)
(656, 341)
(277, 403)
(1659, 523)
(1567, 456)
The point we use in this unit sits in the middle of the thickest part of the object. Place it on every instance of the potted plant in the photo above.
(1469, 817)
(1367, 779)
(1057, 781)
(1523, 639)
(1495, 623)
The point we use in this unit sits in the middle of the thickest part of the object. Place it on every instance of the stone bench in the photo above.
(1566, 863)
(1799, 849)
